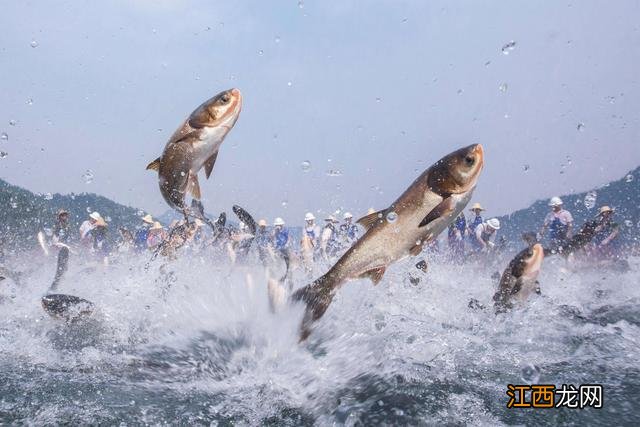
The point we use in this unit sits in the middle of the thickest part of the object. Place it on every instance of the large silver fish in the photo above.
(422, 212)
(195, 145)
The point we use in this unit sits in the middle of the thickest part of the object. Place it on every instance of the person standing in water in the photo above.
(348, 230)
(140, 241)
(455, 235)
(311, 229)
(605, 239)
(559, 222)
(61, 232)
(280, 236)
(263, 242)
(329, 244)
(100, 244)
(477, 219)
(485, 235)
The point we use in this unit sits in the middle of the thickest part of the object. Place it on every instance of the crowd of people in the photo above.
(477, 236)
(468, 237)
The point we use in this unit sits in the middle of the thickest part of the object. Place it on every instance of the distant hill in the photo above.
(623, 195)
(23, 213)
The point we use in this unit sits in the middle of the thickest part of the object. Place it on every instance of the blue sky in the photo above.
(376, 91)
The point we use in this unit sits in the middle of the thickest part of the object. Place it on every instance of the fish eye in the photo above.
(469, 160)
(225, 98)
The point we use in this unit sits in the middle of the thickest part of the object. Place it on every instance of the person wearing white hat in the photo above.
(477, 220)
(559, 222)
(348, 230)
(86, 227)
(140, 240)
(485, 235)
(311, 229)
(280, 235)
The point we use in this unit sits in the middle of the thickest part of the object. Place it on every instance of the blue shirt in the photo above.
(281, 237)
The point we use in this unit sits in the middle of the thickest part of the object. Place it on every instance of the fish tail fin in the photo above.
(317, 296)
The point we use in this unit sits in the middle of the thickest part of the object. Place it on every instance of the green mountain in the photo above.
(623, 195)
(23, 214)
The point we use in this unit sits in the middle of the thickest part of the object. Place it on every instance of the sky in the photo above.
(370, 93)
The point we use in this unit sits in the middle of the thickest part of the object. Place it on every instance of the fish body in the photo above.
(194, 146)
(520, 279)
(417, 217)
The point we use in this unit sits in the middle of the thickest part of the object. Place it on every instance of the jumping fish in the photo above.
(519, 279)
(422, 212)
(195, 145)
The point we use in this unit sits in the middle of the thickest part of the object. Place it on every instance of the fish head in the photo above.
(457, 172)
(530, 262)
(221, 110)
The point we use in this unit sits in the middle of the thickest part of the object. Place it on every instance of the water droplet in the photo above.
(88, 209)
(568, 160)
(503, 87)
(334, 172)
(277, 39)
(486, 64)
(30, 101)
(404, 20)
(459, 92)
(530, 374)
(306, 165)
(14, 205)
(300, 4)
(182, 173)
(580, 126)
(526, 167)
(88, 176)
(508, 47)
(628, 178)
(261, 52)
(12, 122)
(4, 136)
(107, 218)
(47, 196)
(628, 223)
(392, 217)
(378, 99)
(590, 199)
(289, 84)
(285, 203)
(3, 154)
(34, 44)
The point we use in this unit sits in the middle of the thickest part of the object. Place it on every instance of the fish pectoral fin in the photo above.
(375, 274)
(415, 249)
(368, 221)
(194, 186)
(517, 287)
(443, 208)
(155, 165)
(208, 165)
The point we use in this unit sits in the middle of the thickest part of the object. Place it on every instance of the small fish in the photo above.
(195, 145)
(421, 213)
(519, 279)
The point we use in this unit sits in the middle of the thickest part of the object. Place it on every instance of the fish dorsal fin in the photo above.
(368, 221)
(155, 165)
(375, 274)
(443, 208)
(194, 186)
(208, 165)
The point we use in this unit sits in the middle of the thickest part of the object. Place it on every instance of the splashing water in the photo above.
(305, 165)
(193, 343)
(88, 176)
(507, 48)
(590, 199)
